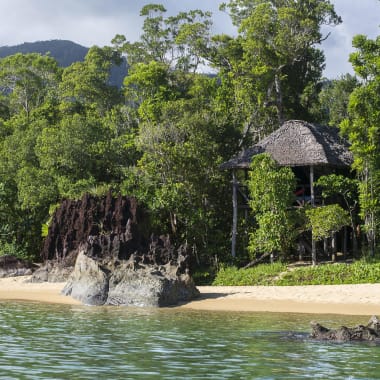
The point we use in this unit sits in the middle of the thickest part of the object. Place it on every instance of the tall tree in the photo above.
(182, 136)
(85, 86)
(362, 128)
(176, 41)
(273, 60)
(271, 195)
(61, 136)
(26, 81)
(29, 86)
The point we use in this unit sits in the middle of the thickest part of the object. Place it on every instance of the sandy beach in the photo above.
(361, 299)
(15, 288)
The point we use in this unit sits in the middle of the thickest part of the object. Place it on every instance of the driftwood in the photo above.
(370, 332)
(257, 261)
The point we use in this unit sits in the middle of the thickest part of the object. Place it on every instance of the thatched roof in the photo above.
(298, 143)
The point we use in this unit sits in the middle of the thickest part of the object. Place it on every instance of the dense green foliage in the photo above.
(359, 272)
(271, 196)
(274, 64)
(362, 127)
(264, 274)
(62, 132)
(326, 220)
(162, 136)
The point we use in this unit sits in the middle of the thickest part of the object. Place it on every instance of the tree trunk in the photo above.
(369, 218)
(313, 251)
(258, 260)
(173, 222)
(235, 214)
(279, 100)
(333, 247)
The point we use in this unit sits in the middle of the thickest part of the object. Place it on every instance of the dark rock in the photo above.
(117, 260)
(76, 220)
(88, 282)
(11, 266)
(51, 271)
(371, 332)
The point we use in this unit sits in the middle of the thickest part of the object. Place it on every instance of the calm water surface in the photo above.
(41, 341)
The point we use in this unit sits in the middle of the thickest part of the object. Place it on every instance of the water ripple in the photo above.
(74, 342)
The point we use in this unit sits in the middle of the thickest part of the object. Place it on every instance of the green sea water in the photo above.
(43, 341)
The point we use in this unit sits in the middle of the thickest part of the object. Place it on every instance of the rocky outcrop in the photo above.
(371, 332)
(76, 220)
(128, 283)
(11, 266)
(116, 260)
(51, 271)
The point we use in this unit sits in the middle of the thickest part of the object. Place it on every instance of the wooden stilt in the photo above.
(333, 247)
(313, 251)
(312, 202)
(235, 213)
(345, 235)
(301, 251)
(326, 247)
(312, 196)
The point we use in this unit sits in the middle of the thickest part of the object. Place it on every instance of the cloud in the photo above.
(359, 17)
(87, 22)
(96, 22)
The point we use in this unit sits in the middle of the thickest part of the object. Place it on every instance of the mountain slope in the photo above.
(65, 53)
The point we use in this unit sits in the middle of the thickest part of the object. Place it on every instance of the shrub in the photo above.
(264, 274)
(359, 272)
(13, 249)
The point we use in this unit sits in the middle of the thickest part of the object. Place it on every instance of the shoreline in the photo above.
(16, 289)
(362, 299)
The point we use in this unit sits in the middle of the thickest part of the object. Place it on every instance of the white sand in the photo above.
(15, 288)
(361, 299)
(326, 299)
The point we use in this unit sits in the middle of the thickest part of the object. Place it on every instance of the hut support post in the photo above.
(325, 246)
(312, 196)
(312, 202)
(333, 247)
(345, 235)
(235, 213)
(313, 250)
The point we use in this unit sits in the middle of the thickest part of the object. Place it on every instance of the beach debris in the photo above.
(370, 332)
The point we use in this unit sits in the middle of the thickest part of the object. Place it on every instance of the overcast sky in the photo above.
(96, 22)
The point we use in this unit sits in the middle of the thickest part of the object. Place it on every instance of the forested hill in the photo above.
(64, 52)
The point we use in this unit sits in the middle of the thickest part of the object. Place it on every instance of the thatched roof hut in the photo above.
(298, 143)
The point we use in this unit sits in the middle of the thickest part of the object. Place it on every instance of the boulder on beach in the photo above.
(127, 283)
